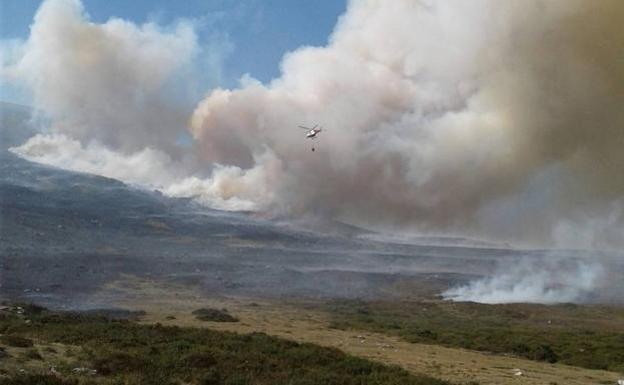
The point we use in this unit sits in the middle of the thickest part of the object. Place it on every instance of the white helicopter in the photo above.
(312, 132)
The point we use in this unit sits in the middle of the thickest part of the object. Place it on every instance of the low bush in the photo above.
(32, 354)
(214, 315)
(16, 341)
(37, 379)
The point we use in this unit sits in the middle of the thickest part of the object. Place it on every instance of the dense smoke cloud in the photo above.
(104, 82)
(450, 116)
(118, 99)
(500, 120)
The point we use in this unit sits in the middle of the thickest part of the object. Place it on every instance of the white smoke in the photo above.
(64, 152)
(225, 189)
(106, 82)
(489, 119)
(116, 96)
(545, 281)
(492, 119)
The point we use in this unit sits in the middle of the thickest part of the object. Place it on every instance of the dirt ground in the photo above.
(172, 305)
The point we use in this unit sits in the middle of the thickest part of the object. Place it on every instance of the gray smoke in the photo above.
(499, 120)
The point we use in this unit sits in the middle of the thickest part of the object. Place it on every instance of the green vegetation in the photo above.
(38, 379)
(215, 315)
(124, 352)
(32, 354)
(16, 341)
(585, 336)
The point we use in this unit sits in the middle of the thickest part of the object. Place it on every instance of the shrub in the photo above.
(118, 362)
(214, 315)
(199, 360)
(37, 379)
(16, 341)
(545, 353)
(212, 377)
(33, 354)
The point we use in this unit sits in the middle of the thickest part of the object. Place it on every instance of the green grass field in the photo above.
(586, 336)
(124, 352)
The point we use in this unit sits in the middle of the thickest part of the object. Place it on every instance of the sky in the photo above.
(253, 34)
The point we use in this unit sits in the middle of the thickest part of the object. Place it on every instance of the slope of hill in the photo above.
(78, 241)
(72, 349)
(64, 234)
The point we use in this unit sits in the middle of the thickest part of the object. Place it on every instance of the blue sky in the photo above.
(258, 32)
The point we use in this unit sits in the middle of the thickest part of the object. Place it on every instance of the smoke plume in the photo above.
(105, 82)
(500, 120)
(545, 281)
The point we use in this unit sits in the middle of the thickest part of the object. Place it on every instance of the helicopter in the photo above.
(312, 133)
